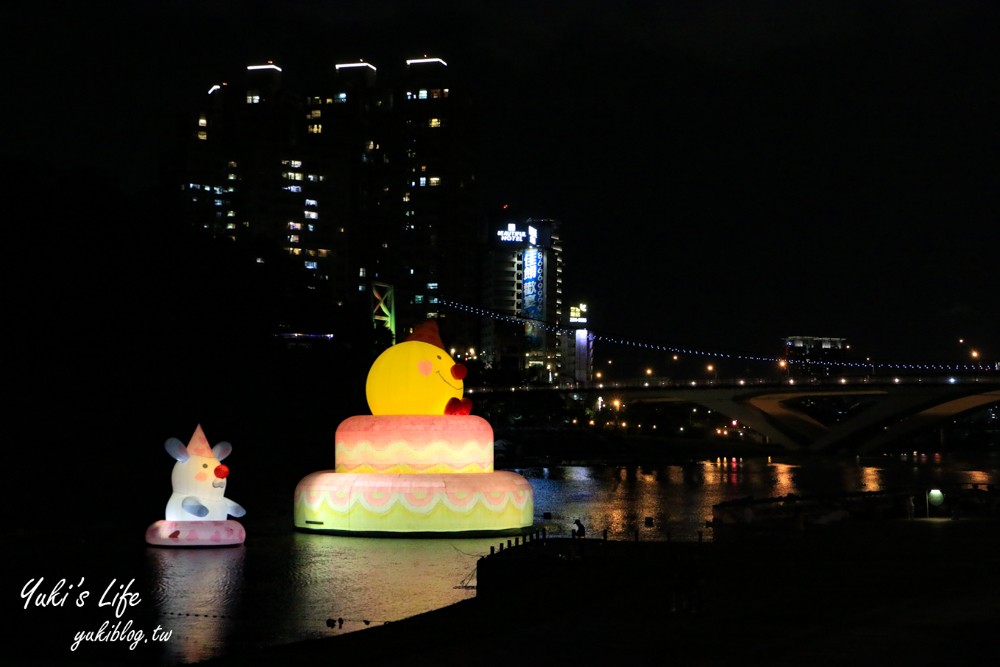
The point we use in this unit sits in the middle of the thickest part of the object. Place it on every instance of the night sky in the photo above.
(727, 173)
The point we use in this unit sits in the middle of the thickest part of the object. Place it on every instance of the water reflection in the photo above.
(196, 592)
(284, 586)
(678, 499)
(368, 581)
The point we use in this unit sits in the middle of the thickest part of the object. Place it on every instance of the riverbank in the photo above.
(524, 448)
(915, 592)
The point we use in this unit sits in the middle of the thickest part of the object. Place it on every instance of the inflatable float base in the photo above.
(190, 534)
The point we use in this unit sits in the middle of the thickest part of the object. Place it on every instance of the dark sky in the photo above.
(727, 173)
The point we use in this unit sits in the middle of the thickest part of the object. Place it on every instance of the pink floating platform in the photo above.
(165, 533)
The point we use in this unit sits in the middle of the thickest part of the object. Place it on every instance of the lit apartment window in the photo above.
(294, 251)
(419, 298)
(230, 214)
(362, 272)
(324, 252)
(231, 225)
(311, 228)
(231, 177)
(434, 181)
(406, 196)
(293, 176)
(341, 98)
(311, 202)
(295, 226)
(310, 215)
(421, 94)
(311, 265)
(434, 122)
(231, 165)
(423, 181)
(202, 135)
(316, 178)
(294, 188)
(293, 238)
(361, 287)
(202, 121)
(432, 286)
(253, 98)
(314, 113)
(315, 128)
(218, 202)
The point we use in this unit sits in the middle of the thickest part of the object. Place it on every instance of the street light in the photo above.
(934, 497)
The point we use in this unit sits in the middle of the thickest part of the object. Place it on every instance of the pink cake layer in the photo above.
(391, 444)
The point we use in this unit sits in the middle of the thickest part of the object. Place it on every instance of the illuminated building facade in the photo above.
(522, 278)
(815, 355)
(364, 192)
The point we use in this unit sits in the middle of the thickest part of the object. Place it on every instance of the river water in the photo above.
(283, 586)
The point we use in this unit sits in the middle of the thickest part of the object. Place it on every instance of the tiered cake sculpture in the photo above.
(198, 510)
(420, 464)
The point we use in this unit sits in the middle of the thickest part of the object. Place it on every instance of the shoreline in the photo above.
(870, 592)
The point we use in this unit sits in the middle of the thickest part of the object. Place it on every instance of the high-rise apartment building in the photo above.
(522, 278)
(362, 189)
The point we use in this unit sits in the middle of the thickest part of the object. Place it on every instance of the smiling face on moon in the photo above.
(413, 378)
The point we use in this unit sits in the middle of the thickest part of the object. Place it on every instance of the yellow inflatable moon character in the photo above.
(417, 377)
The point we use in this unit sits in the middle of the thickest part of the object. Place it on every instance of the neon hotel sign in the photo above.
(514, 235)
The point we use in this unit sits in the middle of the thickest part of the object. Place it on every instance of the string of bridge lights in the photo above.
(656, 347)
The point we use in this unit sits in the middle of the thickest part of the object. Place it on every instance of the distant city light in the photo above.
(419, 61)
(357, 64)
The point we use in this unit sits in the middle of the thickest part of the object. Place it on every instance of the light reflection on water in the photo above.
(675, 501)
(283, 586)
(209, 581)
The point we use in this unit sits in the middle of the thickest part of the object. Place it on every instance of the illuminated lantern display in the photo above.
(421, 463)
(198, 511)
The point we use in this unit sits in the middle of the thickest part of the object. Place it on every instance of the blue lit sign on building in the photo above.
(533, 292)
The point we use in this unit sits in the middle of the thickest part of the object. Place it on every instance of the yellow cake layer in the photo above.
(329, 501)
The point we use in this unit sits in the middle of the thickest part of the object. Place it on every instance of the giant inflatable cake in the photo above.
(421, 463)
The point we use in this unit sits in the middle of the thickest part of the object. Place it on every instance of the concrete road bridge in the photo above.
(888, 409)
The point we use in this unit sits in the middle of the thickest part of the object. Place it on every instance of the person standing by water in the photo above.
(579, 531)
